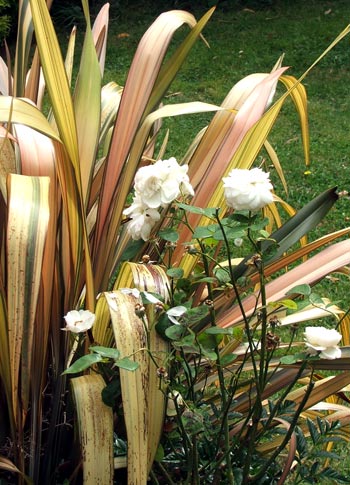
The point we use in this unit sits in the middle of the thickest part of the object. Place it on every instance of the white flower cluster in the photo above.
(156, 186)
(248, 189)
(323, 341)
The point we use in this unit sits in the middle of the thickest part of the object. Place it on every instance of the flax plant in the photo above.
(65, 179)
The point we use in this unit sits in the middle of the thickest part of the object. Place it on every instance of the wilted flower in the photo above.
(172, 397)
(79, 321)
(238, 241)
(143, 219)
(130, 291)
(176, 312)
(159, 184)
(248, 189)
(323, 340)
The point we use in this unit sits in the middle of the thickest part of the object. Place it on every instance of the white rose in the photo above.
(79, 321)
(323, 340)
(248, 189)
(161, 183)
(142, 221)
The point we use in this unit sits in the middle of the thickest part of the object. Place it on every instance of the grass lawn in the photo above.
(247, 40)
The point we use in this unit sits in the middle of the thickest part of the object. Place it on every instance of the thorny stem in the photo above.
(264, 362)
(235, 288)
(195, 466)
(284, 395)
(225, 424)
(288, 435)
(186, 440)
(166, 474)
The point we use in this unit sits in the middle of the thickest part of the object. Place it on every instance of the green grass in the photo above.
(243, 41)
(247, 40)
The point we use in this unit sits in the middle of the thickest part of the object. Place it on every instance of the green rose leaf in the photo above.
(222, 275)
(301, 290)
(227, 359)
(196, 314)
(127, 364)
(219, 331)
(176, 273)
(208, 279)
(208, 212)
(169, 235)
(288, 359)
(83, 363)
(202, 232)
(230, 233)
(162, 325)
(174, 332)
(315, 299)
(290, 304)
(106, 352)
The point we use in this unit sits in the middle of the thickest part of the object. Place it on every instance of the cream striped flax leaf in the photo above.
(131, 340)
(153, 279)
(28, 216)
(95, 424)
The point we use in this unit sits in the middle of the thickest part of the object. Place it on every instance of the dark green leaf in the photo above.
(230, 233)
(334, 475)
(162, 325)
(222, 275)
(207, 279)
(111, 393)
(159, 453)
(132, 249)
(296, 227)
(209, 342)
(196, 314)
(315, 299)
(313, 431)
